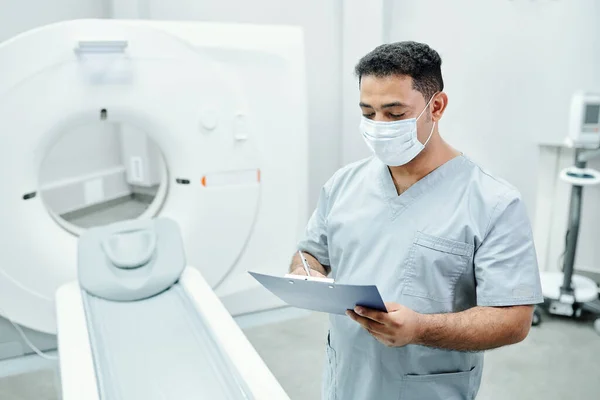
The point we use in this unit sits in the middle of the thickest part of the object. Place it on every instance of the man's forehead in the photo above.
(386, 80)
(388, 89)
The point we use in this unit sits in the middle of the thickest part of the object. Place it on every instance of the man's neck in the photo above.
(436, 153)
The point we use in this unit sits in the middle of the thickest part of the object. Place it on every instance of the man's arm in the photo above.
(297, 268)
(476, 329)
(315, 245)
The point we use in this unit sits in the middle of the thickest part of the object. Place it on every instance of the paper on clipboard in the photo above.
(322, 295)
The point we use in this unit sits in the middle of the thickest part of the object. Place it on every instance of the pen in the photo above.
(306, 268)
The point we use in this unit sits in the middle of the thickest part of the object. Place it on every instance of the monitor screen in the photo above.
(592, 113)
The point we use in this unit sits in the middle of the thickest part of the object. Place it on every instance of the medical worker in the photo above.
(448, 244)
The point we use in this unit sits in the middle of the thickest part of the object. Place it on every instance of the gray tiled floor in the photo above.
(560, 360)
(40, 385)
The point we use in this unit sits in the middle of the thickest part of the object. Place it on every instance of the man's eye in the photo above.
(396, 115)
(369, 115)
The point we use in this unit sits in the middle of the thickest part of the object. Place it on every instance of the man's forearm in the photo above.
(312, 262)
(476, 329)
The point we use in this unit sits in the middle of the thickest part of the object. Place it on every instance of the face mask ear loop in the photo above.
(430, 134)
(427, 105)
(433, 127)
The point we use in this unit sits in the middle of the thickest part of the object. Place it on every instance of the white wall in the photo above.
(510, 68)
(355, 44)
(141, 157)
(17, 16)
(82, 151)
(97, 163)
(321, 20)
(83, 168)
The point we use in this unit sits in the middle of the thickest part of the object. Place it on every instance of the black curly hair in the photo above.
(417, 60)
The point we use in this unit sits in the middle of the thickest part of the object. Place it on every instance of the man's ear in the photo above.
(438, 106)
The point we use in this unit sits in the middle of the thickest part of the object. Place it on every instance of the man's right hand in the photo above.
(316, 269)
(301, 271)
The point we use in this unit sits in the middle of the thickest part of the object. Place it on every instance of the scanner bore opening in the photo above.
(100, 173)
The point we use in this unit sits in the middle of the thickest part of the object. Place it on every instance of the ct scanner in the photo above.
(225, 103)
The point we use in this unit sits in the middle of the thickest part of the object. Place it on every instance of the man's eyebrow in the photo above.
(394, 104)
(388, 105)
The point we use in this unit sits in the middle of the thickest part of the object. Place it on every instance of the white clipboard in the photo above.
(321, 294)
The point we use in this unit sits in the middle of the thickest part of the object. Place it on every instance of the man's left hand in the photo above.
(396, 328)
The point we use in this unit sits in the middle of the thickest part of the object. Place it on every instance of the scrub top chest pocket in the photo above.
(433, 266)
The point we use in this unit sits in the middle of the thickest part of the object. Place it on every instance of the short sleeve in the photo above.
(506, 268)
(314, 241)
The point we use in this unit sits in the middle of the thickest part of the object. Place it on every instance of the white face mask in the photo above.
(394, 143)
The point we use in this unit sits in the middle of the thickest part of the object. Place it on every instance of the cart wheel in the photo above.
(537, 318)
(597, 326)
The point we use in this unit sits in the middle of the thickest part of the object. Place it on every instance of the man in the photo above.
(448, 245)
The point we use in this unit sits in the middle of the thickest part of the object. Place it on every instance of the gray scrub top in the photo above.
(456, 239)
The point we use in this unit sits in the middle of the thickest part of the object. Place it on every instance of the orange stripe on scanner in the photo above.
(232, 178)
